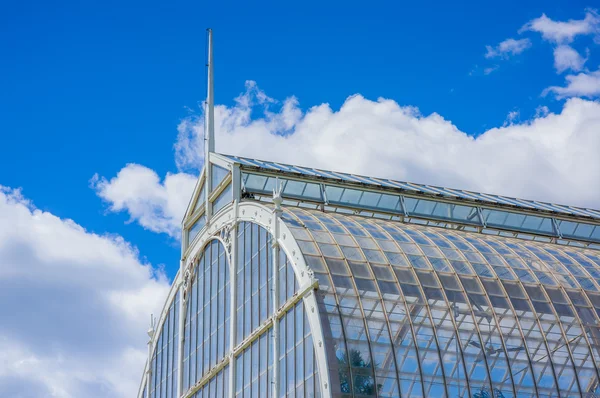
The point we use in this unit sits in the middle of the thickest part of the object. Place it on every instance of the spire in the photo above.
(209, 130)
(210, 102)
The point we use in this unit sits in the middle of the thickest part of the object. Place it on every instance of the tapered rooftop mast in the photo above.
(210, 101)
(209, 129)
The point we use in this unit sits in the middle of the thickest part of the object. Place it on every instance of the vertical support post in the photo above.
(275, 296)
(277, 200)
(233, 295)
(149, 367)
(236, 182)
(209, 129)
(181, 338)
(184, 245)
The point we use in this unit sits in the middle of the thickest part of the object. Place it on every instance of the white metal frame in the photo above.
(175, 287)
(229, 217)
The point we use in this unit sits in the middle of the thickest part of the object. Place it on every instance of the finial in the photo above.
(277, 191)
(151, 329)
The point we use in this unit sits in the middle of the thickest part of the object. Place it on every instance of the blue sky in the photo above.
(90, 87)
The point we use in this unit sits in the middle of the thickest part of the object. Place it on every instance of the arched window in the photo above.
(163, 368)
(254, 365)
(207, 322)
(207, 331)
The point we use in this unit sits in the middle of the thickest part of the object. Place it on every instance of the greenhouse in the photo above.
(298, 282)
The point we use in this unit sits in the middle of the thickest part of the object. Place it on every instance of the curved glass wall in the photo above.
(298, 376)
(254, 368)
(254, 288)
(413, 311)
(254, 306)
(217, 387)
(163, 368)
(207, 326)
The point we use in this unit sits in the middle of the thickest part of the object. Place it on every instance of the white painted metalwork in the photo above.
(275, 255)
(477, 270)
(266, 218)
(157, 326)
(209, 123)
(181, 338)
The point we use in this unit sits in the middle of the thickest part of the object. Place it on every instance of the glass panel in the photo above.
(517, 221)
(218, 175)
(223, 199)
(201, 198)
(425, 310)
(207, 320)
(441, 211)
(196, 228)
(570, 229)
(291, 188)
(163, 365)
(363, 199)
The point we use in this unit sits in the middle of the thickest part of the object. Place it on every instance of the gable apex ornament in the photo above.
(277, 198)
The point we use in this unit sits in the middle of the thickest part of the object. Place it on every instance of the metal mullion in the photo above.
(544, 338)
(387, 320)
(194, 316)
(207, 378)
(267, 326)
(556, 228)
(339, 314)
(475, 323)
(221, 263)
(233, 259)
(559, 322)
(517, 323)
(408, 315)
(359, 302)
(537, 321)
(494, 316)
(180, 327)
(500, 335)
(584, 333)
(584, 269)
(433, 327)
(275, 296)
(456, 331)
(210, 305)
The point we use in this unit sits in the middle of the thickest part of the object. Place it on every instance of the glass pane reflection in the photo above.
(422, 311)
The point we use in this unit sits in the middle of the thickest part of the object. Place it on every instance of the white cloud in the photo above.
(525, 159)
(155, 205)
(579, 85)
(189, 151)
(507, 48)
(564, 32)
(63, 332)
(565, 57)
(381, 138)
(511, 118)
(491, 69)
(541, 111)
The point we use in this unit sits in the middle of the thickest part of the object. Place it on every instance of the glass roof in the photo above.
(436, 312)
(418, 188)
